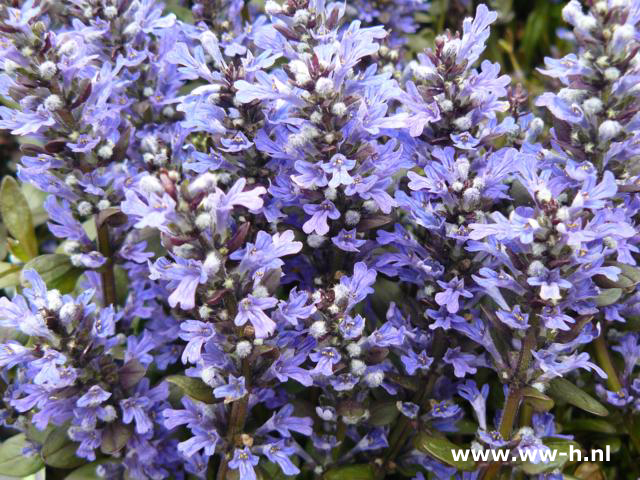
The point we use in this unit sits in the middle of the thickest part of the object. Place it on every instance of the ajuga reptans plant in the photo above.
(268, 240)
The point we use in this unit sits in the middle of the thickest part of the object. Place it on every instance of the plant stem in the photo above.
(514, 397)
(401, 432)
(239, 408)
(613, 382)
(106, 272)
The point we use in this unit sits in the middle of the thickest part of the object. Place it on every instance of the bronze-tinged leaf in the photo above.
(239, 237)
(370, 222)
(131, 373)
(112, 216)
(114, 437)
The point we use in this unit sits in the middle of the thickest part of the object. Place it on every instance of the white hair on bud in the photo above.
(324, 86)
(374, 379)
(54, 300)
(110, 11)
(85, 208)
(105, 151)
(272, 8)
(318, 329)
(352, 217)
(592, 106)
(212, 264)
(315, 241)
(339, 109)
(150, 184)
(301, 17)
(260, 291)
(243, 349)
(535, 268)
(358, 367)
(47, 70)
(203, 183)
(354, 350)
(53, 102)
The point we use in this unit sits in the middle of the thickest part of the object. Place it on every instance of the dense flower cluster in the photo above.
(282, 246)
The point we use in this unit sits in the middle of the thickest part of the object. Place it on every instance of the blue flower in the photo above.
(244, 461)
(234, 390)
(280, 453)
(251, 309)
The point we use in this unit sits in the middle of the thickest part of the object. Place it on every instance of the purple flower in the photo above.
(346, 240)
(515, 318)
(287, 366)
(232, 391)
(326, 358)
(135, 409)
(462, 363)
(358, 286)
(454, 289)
(94, 397)
(408, 409)
(244, 461)
(319, 215)
(478, 399)
(493, 438)
(251, 309)
(280, 453)
(202, 439)
(416, 361)
(550, 283)
(184, 276)
(284, 423)
(196, 333)
(338, 167)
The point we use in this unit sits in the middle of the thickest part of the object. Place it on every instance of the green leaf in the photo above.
(56, 271)
(13, 463)
(87, 472)
(538, 400)
(271, 471)
(562, 389)
(441, 448)
(114, 438)
(9, 274)
(608, 297)
(590, 425)
(4, 246)
(561, 447)
(35, 199)
(194, 387)
(59, 451)
(383, 413)
(181, 12)
(614, 444)
(351, 472)
(16, 215)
